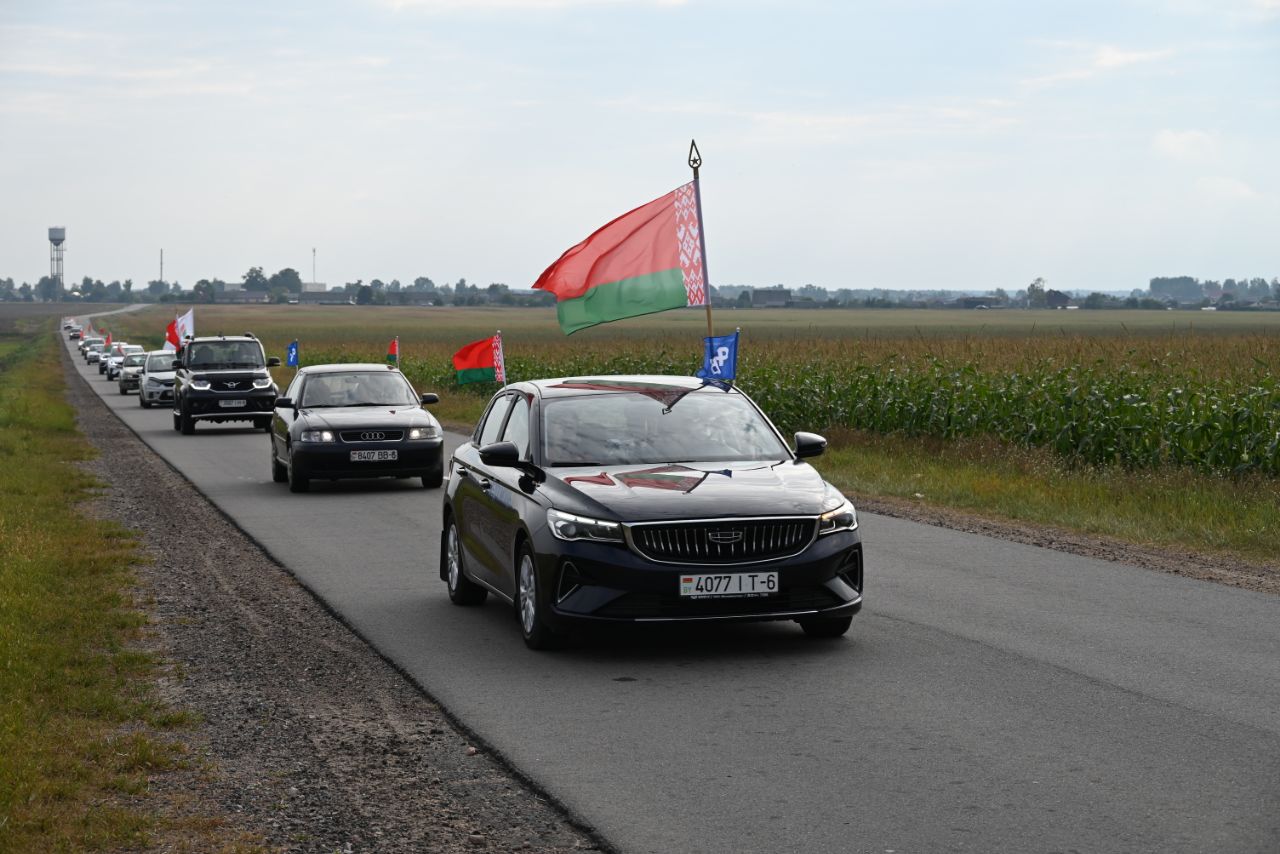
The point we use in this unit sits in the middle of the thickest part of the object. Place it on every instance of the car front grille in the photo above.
(371, 435)
(639, 606)
(723, 542)
(237, 386)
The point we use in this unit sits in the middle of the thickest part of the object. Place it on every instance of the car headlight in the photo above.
(316, 436)
(566, 526)
(423, 432)
(838, 514)
(262, 382)
(200, 385)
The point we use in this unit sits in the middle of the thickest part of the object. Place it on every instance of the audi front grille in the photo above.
(371, 435)
(724, 541)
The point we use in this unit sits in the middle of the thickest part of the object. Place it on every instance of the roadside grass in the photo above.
(1169, 508)
(81, 731)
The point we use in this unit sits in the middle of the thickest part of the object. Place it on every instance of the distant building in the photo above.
(314, 287)
(243, 296)
(770, 297)
(1056, 299)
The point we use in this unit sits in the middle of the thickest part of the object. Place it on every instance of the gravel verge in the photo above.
(307, 740)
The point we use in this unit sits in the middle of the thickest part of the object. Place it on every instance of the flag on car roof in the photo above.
(720, 361)
(171, 340)
(106, 342)
(481, 361)
(645, 261)
(291, 354)
(393, 351)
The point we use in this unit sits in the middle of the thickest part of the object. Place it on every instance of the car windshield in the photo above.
(160, 363)
(223, 355)
(134, 359)
(625, 428)
(358, 388)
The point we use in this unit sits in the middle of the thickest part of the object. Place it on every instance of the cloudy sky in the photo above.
(848, 144)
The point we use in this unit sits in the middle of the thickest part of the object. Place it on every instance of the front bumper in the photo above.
(130, 381)
(590, 581)
(332, 460)
(259, 405)
(154, 394)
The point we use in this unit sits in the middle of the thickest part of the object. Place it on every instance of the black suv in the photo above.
(223, 378)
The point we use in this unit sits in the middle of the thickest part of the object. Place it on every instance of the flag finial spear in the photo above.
(695, 157)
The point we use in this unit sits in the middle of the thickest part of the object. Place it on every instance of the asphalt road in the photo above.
(991, 696)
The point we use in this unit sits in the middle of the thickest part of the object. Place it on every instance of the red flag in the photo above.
(171, 334)
(647, 260)
(481, 361)
(393, 351)
(106, 344)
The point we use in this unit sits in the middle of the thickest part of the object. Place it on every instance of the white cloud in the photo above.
(1098, 60)
(1228, 189)
(1185, 144)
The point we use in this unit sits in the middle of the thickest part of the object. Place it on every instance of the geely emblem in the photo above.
(724, 538)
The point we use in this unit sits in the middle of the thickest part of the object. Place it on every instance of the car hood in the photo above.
(645, 493)
(350, 417)
(161, 375)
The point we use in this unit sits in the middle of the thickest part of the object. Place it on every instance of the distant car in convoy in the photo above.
(354, 421)
(223, 378)
(107, 353)
(129, 377)
(91, 345)
(643, 499)
(73, 332)
(155, 383)
(118, 354)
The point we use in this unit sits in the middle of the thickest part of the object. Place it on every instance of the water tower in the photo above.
(57, 236)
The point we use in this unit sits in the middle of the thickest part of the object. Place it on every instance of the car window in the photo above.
(294, 387)
(517, 430)
(134, 359)
(493, 421)
(608, 429)
(358, 388)
(159, 363)
(224, 355)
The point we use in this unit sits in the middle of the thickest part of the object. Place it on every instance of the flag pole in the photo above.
(695, 161)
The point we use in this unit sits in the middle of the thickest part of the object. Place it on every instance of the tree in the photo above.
(286, 280)
(364, 295)
(25, 292)
(1035, 294)
(204, 291)
(1002, 296)
(157, 288)
(254, 280)
(422, 283)
(47, 289)
(744, 299)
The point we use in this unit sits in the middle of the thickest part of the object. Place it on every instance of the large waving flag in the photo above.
(645, 261)
(187, 325)
(171, 339)
(481, 361)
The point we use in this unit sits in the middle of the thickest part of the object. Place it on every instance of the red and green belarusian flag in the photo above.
(481, 361)
(648, 260)
(393, 351)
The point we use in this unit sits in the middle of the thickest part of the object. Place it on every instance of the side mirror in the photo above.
(175, 364)
(429, 398)
(273, 362)
(284, 403)
(500, 454)
(810, 445)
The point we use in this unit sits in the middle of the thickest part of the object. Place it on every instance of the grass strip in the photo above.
(80, 729)
(1172, 508)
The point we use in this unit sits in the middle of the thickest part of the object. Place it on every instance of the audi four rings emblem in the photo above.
(372, 435)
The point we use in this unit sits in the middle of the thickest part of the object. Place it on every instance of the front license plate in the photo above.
(729, 584)
(232, 404)
(374, 456)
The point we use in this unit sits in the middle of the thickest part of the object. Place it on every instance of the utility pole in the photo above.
(313, 265)
(161, 265)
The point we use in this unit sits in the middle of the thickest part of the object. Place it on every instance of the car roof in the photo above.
(348, 366)
(620, 384)
(204, 339)
(161, 353)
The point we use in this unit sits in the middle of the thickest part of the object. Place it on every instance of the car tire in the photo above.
(122, 389)
(298, 482)
(462, 590)
(177, 422)
(434, 478)
(142, 401)
(825, 627)
(186, 424)
(530, 604)
(266, 426)
(279, 472)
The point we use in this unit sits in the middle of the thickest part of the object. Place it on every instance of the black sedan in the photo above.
(354, 421)
(636, 499)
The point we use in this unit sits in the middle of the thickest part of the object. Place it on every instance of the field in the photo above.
(1129, 403)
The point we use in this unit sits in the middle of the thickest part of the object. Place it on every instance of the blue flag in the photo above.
(721, 359)
(291, 355)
